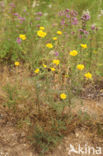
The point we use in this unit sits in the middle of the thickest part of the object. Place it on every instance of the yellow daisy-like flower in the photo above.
(42, 28)
(59, 32)
(88, 75)
(49, 45)
(17, 63)
(94, 51)
(84, 46)
(36, 71)
(44, 65)
(41, 34)
(56, 62)
(22, 36)
(52, 69)
(73, 53)
(66, 76)
(80, 66)
(63, 96)
(54, 38)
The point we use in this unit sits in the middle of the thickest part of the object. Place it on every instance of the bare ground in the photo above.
(13, 141)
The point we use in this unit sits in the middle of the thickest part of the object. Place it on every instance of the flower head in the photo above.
(66, 75)
(84, 46)
(63, 96)
(17, 63)
(18, 40)
(56, 53)
(88, 75)
(52, 69)
(85, 16)
(56, 62)
(22, 36)
(54, 38)
(74, 21)
(73, 53)
(49, 45)
(44, 65)
(36, 71)
(93, 27)
(41, 34)
(42, 28)
(59, 32)
(80, 66)
(39, 13)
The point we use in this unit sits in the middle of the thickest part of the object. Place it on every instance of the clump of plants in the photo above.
(62, 51)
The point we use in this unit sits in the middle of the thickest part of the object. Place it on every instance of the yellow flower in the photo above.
(80, 66)
(42, 28)
(73, 53)
(49, 45)
(17, 63)
(40, 33)
(84, 46)
(66, 76)
(63, 96)
(88, 75)
(52, 69)
(44, 65)
(100, 64)
(94, 51)
(36, 71)
(54, 38)
(56, 62)
(59, 32)
(22, 36)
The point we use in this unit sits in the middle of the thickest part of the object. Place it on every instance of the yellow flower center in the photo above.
(84, 46)
(49, 45)
(63, 96)
(22, 36)
(73, 53)
(36, 71)
(17, 63)
(80, 66)
(56, 62)
(88, 75)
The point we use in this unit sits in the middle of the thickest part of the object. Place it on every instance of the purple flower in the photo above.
(18, 40)
(73, 13)
(12, 5)
(86, 32)
(74, 21)
(63, 22)
(37, 18)
(80, 36)
(54, 24)
(38, 26)
(68, 16)
(61, 13)
(24, 10)
(93, 27)
(85, 17)
(81, 30)
(39, 13)
(67, 10)
(72, 32)
(21, 18)
(16, 14)
(2, 4)
(56, 53)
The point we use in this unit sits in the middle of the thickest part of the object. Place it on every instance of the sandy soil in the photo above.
(13, 141)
